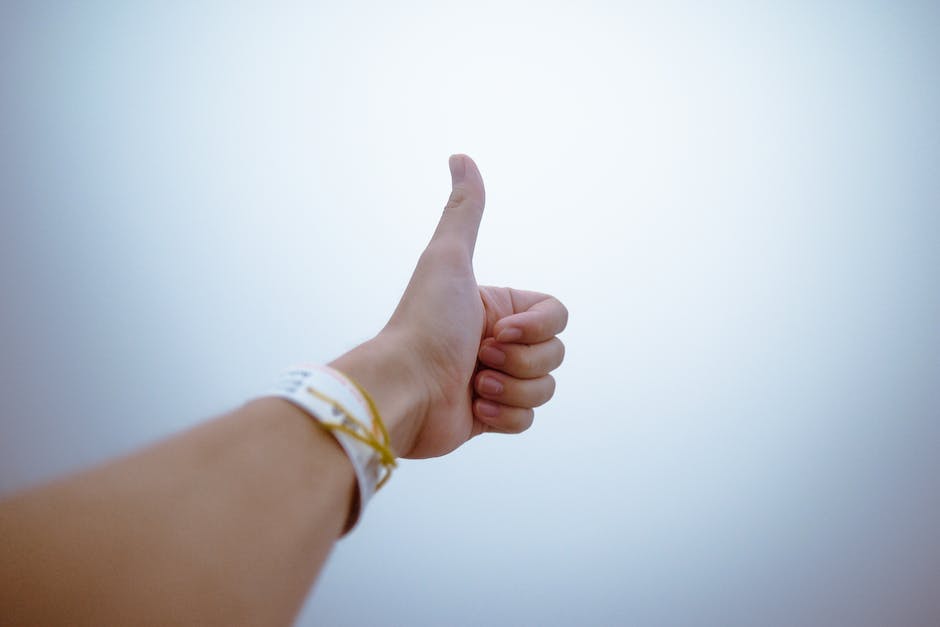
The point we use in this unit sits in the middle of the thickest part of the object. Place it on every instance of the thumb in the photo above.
(464, 210)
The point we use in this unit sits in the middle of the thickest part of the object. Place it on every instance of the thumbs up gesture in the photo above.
(457, 359)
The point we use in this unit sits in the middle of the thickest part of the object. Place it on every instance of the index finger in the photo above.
(539, 318)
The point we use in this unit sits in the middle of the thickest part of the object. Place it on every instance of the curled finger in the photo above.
(537, 322)
(502, 418)
(501, 388)
(521, 360)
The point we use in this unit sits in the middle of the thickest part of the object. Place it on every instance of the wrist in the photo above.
(389, 375)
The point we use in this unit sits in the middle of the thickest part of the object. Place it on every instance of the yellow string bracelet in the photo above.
(348, 412)
(375, 437)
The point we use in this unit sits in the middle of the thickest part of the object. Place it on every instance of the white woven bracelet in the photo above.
(332, 399)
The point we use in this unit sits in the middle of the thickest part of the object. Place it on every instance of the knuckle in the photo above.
(564, 314)
(525, 361)
(529, 417)
(546, 356)
(550, 385)
(545, 392)
(542, 328)
(446, 252)
(520, 421)
(457, 197)
(559, 352)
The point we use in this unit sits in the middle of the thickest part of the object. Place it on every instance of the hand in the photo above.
(479, 357)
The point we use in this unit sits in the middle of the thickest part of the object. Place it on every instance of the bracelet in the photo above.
(345, 409)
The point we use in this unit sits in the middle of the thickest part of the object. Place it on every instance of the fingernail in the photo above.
(490, 386)
(458, 169)
(510, 334)
(488, 409)
(492, 355)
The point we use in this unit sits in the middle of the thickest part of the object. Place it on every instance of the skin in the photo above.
(230, 523)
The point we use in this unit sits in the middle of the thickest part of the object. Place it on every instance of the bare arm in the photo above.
(230, 522)
(226, 524)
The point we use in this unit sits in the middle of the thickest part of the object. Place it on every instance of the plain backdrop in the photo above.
(739, 202)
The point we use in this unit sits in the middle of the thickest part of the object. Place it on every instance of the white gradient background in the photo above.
(739, 203)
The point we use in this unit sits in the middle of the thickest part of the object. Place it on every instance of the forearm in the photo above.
(228, 523)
